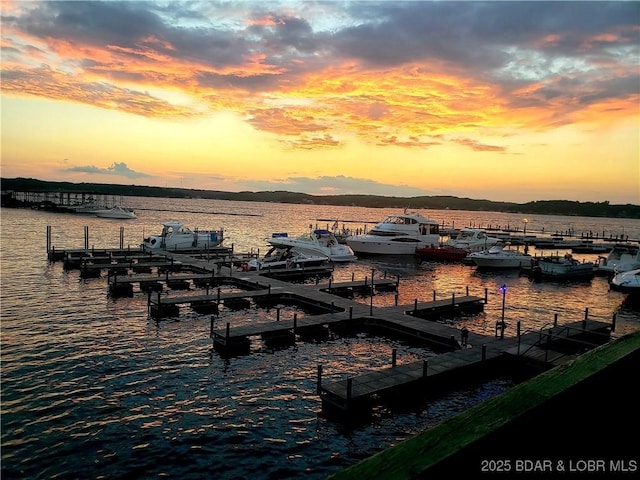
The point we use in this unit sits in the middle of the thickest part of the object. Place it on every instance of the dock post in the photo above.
(586, 316)
(613, 322)
(518, 334)
(484, 352)
(278, 314)
(353, 276)
(319, 380)
(467, 290)
(425, 368)
(555, 319)
(486, 295)
(453, 299)
(226, 334)
(211, 328)
(295, 322)
(121, 238)
(396, 298)
(394, 354)
(86, 237)
(218, 299)
(434, 295)
(371, 300)
(415, 305)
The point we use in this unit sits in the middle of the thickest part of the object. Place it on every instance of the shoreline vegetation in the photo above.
(438, 202)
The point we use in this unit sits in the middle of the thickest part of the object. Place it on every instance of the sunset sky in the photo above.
(505, 101)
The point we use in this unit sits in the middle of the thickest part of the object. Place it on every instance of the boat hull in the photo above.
(381, 247)
(515, 262)
(445, 253)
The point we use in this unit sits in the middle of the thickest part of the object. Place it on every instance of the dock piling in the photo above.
(394, 354)
(319, 380)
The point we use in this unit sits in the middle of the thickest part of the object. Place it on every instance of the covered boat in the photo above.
(175, 236)
(562, 267)
(117, 212)
(285, 258)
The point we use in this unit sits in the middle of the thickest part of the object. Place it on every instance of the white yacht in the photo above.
(317, 242)
(117, 212)
(397, 235)
(621, 258)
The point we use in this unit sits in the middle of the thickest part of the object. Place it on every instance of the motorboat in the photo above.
(118, 212)
(627, 282)
(562, 267)
(175, 236)
(621, 258)
(317, 242)
(285, 258)
(397, 235)
(460, 245)
(501, 256)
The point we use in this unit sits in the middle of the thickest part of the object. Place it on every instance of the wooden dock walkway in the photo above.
(549, 346)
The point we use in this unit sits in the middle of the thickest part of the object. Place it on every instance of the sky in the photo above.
(503, 101)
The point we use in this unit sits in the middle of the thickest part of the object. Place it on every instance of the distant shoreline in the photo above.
(542, 207)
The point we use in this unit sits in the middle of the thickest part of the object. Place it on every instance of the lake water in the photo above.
(93, 388)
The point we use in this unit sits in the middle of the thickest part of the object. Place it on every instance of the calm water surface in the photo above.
(93, 388)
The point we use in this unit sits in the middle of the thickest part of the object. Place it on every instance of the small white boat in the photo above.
(565, 267)
(501, 256)
(621, 258)
(285, 258)
(627, 282)
(115, 212)
(318, 242)
(397, 235)
(175, 236)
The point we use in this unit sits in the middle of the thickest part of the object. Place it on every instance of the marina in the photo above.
(333, 311)
(202, 357)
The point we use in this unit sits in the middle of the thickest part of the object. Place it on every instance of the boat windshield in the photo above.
(400, 220)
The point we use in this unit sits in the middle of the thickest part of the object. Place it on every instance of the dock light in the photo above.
(525, 226)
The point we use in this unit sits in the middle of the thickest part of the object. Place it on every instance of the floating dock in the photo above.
(332, 310)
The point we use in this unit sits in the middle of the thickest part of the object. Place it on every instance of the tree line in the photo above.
(438, 202)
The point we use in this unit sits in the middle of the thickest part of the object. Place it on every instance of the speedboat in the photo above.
(318, 242)
(115, 212)
(621, 258)
(501, 256)
(281, 258)
(562, 267)
(627, 282)
(466, 241)
(175, 236)
(397, 235)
